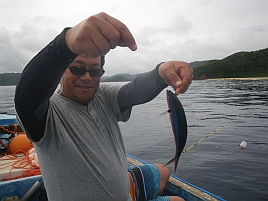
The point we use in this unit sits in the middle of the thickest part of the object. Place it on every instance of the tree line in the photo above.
(9, 79)
(238, 65)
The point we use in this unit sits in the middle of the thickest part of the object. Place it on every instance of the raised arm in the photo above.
(148, 85)
(94, 36)
(38, 82)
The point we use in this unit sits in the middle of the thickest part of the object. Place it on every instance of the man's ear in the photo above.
(61, 85)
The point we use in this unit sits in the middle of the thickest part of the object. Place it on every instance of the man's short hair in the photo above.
(102, 61)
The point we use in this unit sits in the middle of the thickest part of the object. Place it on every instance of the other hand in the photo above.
(177, 74)
(98, 34)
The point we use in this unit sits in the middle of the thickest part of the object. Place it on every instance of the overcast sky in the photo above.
(188, 30)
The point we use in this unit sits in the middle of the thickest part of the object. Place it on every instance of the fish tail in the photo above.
(175, 160)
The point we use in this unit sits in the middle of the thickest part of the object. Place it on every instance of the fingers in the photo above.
(98, 34)
(186, 74)
(94, 44)
(177, 74)
(126, 38)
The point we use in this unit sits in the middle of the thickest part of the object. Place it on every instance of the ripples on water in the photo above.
(6, 99)
(216, 164)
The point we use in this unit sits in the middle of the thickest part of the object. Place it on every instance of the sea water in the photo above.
(220, 115)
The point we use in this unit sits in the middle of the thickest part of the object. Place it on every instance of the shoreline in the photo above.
(244, 78)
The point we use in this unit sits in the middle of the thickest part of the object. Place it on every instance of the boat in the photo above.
(28, 188)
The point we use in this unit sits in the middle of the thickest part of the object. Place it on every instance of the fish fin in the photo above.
(175, 160)
(165, 113)
(186, 105)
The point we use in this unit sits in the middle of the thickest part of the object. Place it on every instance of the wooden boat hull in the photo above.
(178, 187)
(175, 186)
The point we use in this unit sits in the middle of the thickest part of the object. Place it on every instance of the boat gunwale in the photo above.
(177, 182)
(194, 190)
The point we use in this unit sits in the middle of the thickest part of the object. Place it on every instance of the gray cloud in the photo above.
(11, 59)
(164, 30)
(19, 46)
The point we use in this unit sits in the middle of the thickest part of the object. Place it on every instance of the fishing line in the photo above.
(154, 59)
(238, 116)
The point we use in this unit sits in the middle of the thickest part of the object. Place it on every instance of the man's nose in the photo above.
(86, 76)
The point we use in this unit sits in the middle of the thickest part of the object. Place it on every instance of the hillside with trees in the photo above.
(8, 79)
(118, 78)
(238, 65)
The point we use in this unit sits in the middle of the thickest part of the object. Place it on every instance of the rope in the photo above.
(240, 115)
(12, 132)
(21, 159)
(3, 144)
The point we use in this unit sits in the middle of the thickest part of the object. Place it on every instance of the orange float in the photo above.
(20, 144)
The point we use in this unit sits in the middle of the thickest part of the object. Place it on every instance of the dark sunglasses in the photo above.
(94, 72)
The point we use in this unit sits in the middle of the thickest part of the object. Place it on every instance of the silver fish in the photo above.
(179, 125)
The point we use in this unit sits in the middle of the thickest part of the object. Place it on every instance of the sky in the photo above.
(185, 30)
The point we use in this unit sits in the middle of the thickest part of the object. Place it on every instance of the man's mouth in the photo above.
(84, 87)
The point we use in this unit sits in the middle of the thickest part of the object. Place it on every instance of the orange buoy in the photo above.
(20, 144)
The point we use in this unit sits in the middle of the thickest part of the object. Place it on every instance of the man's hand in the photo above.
(177, 74)
(97, 35)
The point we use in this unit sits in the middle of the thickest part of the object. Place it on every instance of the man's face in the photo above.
(81, 88)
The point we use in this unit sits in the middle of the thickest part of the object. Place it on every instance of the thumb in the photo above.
(177, 85)
(174, 80)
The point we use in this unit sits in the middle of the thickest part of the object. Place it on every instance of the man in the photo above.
(75, 133)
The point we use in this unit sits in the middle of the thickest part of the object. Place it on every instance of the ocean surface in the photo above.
(220, 115)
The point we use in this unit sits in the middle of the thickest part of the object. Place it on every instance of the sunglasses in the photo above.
(94, 72)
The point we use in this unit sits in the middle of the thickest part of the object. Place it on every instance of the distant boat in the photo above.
(18, 188)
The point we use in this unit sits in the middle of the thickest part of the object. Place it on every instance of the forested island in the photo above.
(9, 79)
(239, 65)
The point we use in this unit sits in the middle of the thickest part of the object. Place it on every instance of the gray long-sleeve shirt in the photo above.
(80, 148)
